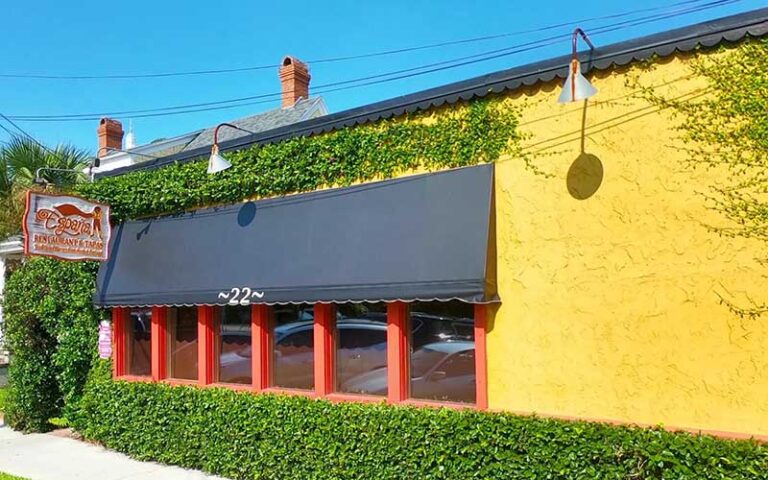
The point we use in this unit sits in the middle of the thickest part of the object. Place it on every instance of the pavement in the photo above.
(53, 456)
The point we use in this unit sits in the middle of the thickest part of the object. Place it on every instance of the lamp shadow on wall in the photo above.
(585, 174)
(246, 214)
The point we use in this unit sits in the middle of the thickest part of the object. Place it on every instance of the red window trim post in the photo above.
(324, 349)
(205, 345)
(398, 376)
(261, 352)
(481, 357)
(159, 341)
(118, 342)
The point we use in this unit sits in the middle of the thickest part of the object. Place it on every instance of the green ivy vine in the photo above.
(726, 128)
(468, 134)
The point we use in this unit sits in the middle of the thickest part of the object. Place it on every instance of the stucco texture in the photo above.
(610, 290)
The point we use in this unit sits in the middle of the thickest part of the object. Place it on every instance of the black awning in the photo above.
(422, 237)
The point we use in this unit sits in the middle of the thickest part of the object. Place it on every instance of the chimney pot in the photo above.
(110, 134)
(294, 78)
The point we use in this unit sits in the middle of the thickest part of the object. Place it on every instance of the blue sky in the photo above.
(102, 37)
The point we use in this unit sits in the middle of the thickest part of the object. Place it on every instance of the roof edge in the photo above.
(707, 34)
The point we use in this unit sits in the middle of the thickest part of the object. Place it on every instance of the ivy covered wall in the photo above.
(454, 136)
(51, 322)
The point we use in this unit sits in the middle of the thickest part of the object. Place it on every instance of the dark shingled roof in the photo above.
(304, 109)
(708, 34)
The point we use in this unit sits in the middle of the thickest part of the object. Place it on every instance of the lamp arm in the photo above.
(578, 32)
(38, 178)
(216, 131)
(51, 169)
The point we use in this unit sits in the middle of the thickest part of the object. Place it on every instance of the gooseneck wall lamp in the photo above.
(217, 162)
(576, 87)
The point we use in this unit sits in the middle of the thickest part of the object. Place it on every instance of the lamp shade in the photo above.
(217, 163)
(576, 87)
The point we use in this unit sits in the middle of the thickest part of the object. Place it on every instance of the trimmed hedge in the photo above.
(241, 435)
(51, 329)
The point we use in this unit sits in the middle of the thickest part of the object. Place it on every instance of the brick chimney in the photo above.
(294, 77)
(110, 136)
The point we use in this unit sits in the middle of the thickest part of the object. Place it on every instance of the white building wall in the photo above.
(9, 249)
(3, 352)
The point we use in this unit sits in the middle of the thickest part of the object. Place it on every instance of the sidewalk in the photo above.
(49, 457)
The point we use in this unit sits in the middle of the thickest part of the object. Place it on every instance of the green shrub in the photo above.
(52, 330)
(241, 435)
(3, 394)
(6, 476)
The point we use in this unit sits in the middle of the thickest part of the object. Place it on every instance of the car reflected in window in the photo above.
(443, 371)
(361, 346)
(294, 356)
(442, 359)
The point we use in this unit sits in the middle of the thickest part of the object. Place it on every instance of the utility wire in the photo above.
(8, 131)
(344, 58)
(54, 153)
(26, 134)
(23, 132)
(368, 80)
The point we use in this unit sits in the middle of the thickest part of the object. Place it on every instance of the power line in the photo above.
(23, 132)
(367, 80)
(429, 68)
(26, 134)
(10, 132)
(318, 89)
(344, 58)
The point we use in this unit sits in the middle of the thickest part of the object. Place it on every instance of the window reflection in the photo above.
(361, 348)
(442, 361)
(139, 344)
(293, 353)
(182, 343)
(233, 345)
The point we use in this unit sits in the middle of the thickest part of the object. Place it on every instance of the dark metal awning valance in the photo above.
(422, 237)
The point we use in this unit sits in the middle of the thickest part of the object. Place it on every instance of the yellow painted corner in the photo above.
(609, 276)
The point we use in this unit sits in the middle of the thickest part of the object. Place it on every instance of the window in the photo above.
(182, 343)
(442, 351)
(421, 351)
(138, 351)
(233, 352)
(361, 348)
(293, 343)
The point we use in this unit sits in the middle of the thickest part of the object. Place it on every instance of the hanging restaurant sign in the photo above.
(66, 227)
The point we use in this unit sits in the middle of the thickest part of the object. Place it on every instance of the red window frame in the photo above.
(204, 348)
(329, 374)
(398, 377)
(120, 339)
(208, 331)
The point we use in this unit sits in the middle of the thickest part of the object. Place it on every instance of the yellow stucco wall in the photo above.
(610, 304)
